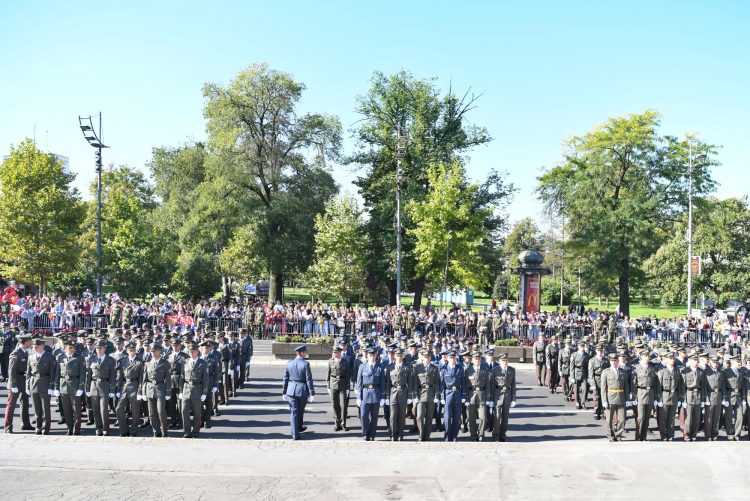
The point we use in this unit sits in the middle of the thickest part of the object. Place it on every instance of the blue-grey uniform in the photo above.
(370, 387)
(298, 387)
(385, 361)
(452, 393)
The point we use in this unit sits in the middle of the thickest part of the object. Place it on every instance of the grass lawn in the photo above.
(637, 310)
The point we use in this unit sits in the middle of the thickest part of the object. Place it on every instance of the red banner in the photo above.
(173, 320)
(531, 291)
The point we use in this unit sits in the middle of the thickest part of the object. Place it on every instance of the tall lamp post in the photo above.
(94, 139)
(691, 168)
(400, 150)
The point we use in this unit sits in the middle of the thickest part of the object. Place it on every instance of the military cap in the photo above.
(601, 346)
(68, 342)
(398, 351)
(476, 354)
(119, 340)
(130, 346)
(81, 332)
(735, 357)
(613, 356)
(194, 347)
(582, 343)
(156, 347)
(693, 356)
(206, 343)
(716, 358)
(445, 352)
(301, 348)
(102, 332)
(337, 348)
(623, 353)
(371, 351)
(39, 342)
(668, 354)
(167, 337)
(489, 351)
(101, 343)
(424, 352)
(502, 356)
(91, 340)
(413, 344)
(451, 353)
(465, 353)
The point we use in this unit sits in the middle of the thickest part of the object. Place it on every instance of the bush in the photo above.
(297, 338)
(506, 342)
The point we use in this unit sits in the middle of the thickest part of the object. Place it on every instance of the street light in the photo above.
(94, 139)
(400, 150)
(690, 226)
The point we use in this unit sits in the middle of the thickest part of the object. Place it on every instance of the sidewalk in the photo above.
(145, 468)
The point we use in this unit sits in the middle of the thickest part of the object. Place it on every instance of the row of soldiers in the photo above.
(469, 389)
(703, 391)
(172, 380)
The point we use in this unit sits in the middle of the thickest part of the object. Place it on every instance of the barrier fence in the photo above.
(525, 332)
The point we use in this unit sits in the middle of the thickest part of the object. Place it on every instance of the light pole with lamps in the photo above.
(94, 139)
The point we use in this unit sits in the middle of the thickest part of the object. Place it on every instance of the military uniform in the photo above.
(337, 381)
(426, 384)
(100, 382)
(539, 353)
(157, 388)
(564, 369)
(695, 396)
(646, 388)
(70, 382)
(129, 383)
(477, 385)
(596, 365)
(297, 390)
(551, 360)
(40, 382)
(579, 362)
(672, 392)
(502, 391)
(735, 391)
(193, 386)
(176, 360)
(483, 328)
(17, 366)
(453, 397)
(370, 388)
(399, 389)
(615, 390)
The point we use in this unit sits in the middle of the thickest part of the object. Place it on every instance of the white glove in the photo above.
(466, 404)
(442, 402)
(312, 398)
(79, 393)
(14, 389)
(387, 401)
(382, 402)
(660, 404)
(88, 394)
(513, 403)
(28, 392)
(347, 393)
(111, 395)
(725, 403)
(490, 403)
(408, 401)
(229, 372)
(627, 404)
(436, 400)
(359, 403)
(203, 398)
(117, 395)
(50, 392)
(605, 405)
(237, 368)
(329, 392)
(167, 397)
(57, 393)
(214, 390)
(744, 404)
(179, 396)
(247, 364)
(679, 404)
(463, 400)
(685, 405)
(285, 398)
(703, 404)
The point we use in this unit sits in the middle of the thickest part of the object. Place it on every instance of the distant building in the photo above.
(60, 158)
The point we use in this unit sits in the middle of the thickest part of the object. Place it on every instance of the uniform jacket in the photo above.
(564, 362)
(476, 383)
(695, 385)
(672, 385)
(551, 356)
(399, 381)
(579, 362)
(194, 379)
(40, 373)
(130, 375)
(70, 374)
(426, 382)
(338, 375)
(157, 379)
(503, 385)
(101, 376)
(539, 351)
(646, 384)
(452, 380)
(17, 365)
(734, 386)
(298, 381)
(370, 384)
(615, 386)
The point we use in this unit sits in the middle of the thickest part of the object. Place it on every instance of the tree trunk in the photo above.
(275, 288)
(418, 291)
(42, 286)
(392, 292)
(624, 284)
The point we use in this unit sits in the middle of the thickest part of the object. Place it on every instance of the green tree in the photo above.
(264, 152)
(524, 235)
(722, 238)
(437, 130)
(449, 230)
(40, 217)
(618, 188)
(137, 257)
(339, 266)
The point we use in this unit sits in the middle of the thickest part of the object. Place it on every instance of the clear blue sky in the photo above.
(547, 70)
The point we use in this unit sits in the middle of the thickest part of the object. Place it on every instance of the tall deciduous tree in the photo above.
(618, 187)
(437, 130)
(339, 266)
(263, 150)
(449, 230)
(40, 217)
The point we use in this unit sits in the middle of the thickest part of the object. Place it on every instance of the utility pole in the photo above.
(690, 229)
(562, 261)
(400, 148)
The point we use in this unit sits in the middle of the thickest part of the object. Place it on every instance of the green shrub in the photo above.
(506, 342)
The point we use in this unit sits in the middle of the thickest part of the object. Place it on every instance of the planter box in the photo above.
(515, 353)
(285, 351)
